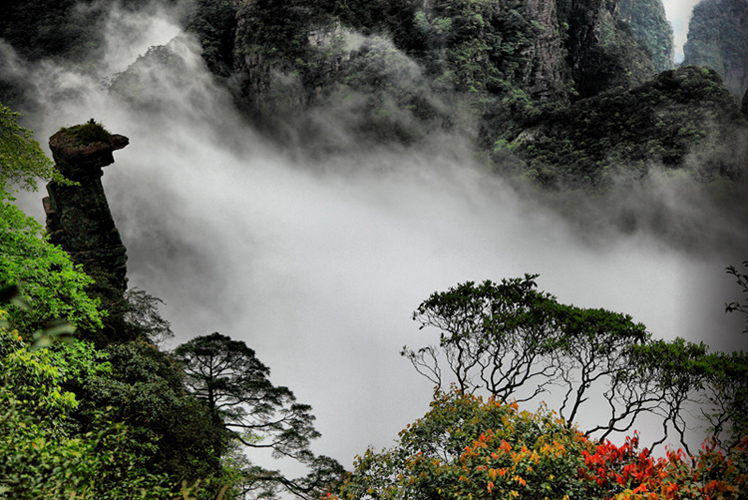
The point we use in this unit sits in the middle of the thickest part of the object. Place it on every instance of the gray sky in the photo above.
(318, 266)
(678, 13)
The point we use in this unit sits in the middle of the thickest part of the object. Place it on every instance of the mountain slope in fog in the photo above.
(625, 132)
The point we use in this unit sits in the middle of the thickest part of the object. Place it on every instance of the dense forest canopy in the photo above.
(520, 130)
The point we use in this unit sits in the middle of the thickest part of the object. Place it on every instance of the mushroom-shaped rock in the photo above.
(78, 216)
(83, 150)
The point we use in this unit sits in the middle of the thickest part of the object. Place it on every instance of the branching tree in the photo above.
(498, 337)
(234, 384)
(594, 355)
(517, 343)
(727, 388)
(143, 318)
(742, 280)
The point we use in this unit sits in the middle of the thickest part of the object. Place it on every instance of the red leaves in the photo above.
(624, 473)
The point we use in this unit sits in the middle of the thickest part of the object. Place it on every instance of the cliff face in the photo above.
(78, 217)
(650, 27)
(718, 38)
(283, 53)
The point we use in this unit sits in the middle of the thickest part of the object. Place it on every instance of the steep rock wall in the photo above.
(550, 50)
(650, 27)
(718, 38)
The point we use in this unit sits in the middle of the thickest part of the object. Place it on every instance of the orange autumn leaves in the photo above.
(465, 448)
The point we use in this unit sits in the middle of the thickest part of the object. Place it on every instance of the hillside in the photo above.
(626, 132)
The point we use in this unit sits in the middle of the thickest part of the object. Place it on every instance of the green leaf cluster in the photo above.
(52, 284)
(44, 451)
(22, 160)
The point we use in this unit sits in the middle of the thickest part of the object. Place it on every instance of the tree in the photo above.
(742, 281)
(728, 379)
(234, 384)
(517, 343)
(144, 389)
(21, 158)
(47, 278)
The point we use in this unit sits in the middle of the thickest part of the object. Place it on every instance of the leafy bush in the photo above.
(42, 453)
(51, 283)
(465, 447)
(468, 448)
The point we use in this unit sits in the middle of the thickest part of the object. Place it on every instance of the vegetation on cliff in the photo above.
(647, 21)
(718, 39)
(626, 132)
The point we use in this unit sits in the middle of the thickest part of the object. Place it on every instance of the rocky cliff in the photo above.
(718, 38)
(398, 67)
(548, 50)
(78, 216)
(648, 23)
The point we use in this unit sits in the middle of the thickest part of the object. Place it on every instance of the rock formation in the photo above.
(649, 25)
(718, 38)
(78, 216)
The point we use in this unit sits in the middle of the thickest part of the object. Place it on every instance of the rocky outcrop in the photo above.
(648, 23)
(601, 50)
(718, 38)
(547, 75)
(78, 216)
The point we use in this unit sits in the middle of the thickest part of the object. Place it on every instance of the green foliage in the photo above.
(22, 160)
(214, 23)
(43, 452)
(394, 18)
(278, 30)
(485, 42)
(145, 391)
(467, 448)
(48, 279)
